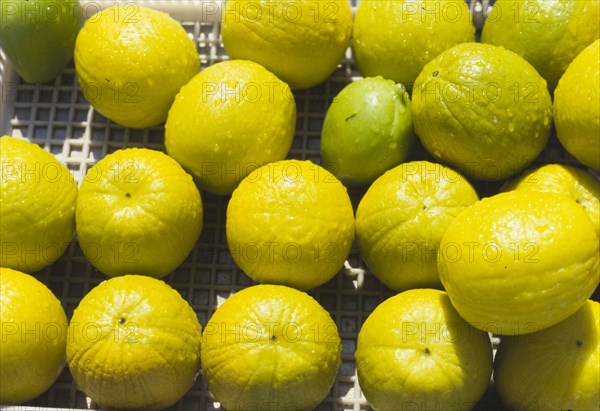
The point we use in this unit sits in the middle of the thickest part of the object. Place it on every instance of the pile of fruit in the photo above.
(521, 263)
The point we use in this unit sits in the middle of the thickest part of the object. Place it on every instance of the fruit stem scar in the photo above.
(435, 73)
(579, 343)
(273, 338)
(427, 352)
(351, 116)
(122, 320)
(127, 195)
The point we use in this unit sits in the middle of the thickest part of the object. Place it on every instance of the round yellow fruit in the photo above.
(230, 119)
(402, 217)
(561, 179)
(548, 34)
(138, 212)
(396, 38)
(290, 223)
(554, 369)
(270, 347)
(134, 343)
(415, 352)
(37, 206)
(577, 107)
(131, 61)
(519, 261)
(301, 42)
(33, 337)
(483, 110)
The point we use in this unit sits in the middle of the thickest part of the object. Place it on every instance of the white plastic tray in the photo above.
(58, 118)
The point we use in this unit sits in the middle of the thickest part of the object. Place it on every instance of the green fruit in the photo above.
(367, 130)
(38, 36)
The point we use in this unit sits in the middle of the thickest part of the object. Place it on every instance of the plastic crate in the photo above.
(57, 117)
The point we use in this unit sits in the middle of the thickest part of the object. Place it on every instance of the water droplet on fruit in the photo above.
(546, 121)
